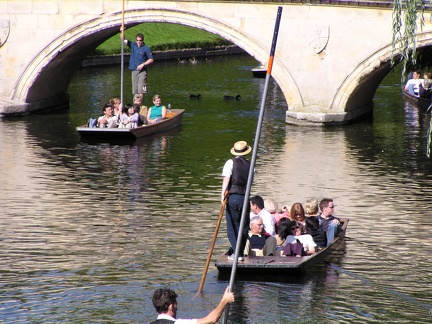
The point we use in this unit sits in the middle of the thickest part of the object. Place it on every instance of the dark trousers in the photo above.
(234, 209)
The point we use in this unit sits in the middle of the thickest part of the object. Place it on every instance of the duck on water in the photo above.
(238, 97)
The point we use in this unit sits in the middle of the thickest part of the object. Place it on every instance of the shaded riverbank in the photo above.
(183, 54)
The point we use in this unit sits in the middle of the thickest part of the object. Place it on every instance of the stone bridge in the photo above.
(330, 56)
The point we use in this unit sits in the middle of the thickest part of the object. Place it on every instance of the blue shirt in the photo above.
(156, 112)
(138, 55)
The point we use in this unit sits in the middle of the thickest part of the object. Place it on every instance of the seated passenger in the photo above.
(297, 213)
(311, 207)
(282, 231)
(295, 233)
(157, 112)
(117, 107)
(271, 206)
(257, 209)
(328, 223)
(108, 120)
(425, 88)
(259, 243)
(125, 121)
(312, 228)
(137, 100)
(413, 85)
(135, 117)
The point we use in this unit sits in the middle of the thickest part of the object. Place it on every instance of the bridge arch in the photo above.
(359, 88)
(45, 80)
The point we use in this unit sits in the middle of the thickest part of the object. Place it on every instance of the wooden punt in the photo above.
(172, 119)
(280, 265)
(422, 103)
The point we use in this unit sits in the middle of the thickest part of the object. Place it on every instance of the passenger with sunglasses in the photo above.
(295, 233)
(140, 58)
(297, 213)
(328, 222)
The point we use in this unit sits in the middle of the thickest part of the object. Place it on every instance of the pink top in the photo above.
(278, 216)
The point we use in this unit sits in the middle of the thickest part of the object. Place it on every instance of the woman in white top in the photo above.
(295, 229)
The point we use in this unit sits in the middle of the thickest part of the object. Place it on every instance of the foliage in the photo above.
(162, 37)
(404, 40)
(404, 31)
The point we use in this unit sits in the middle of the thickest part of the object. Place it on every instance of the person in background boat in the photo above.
(272, 207)
(165, 302)
(157, 112)
(425, 88)
(136, 118)
(312, 228)
(295, 230)
(297, 213)
(311, 207)
(328, 222)
(259, 243)
(140, 57)
(235, 175)
(413, 85)
(257, 209)
(117, 107)
(108, 120)
(137, 100)
(125, 118)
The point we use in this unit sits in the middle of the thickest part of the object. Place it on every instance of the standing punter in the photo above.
(235, 175)
(140, 57)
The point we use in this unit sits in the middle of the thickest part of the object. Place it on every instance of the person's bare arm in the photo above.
(148, 114)
(216, 313)
(225, 183)
(146, 63)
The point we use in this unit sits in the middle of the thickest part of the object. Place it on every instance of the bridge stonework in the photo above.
(329, 60)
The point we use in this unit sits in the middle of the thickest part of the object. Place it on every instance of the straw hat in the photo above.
(240, 148)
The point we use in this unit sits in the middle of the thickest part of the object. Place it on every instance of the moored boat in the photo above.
(259, 72)
(274, 265)
(421, 102)
(172, 119)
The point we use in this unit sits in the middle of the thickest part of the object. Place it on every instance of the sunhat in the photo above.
(240, 148)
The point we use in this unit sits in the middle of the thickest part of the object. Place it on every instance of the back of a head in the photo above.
(311, 206)
(270, 205)
(162, 298)
(257, 200)
(136, 108)
(283, 228)
(126, 108)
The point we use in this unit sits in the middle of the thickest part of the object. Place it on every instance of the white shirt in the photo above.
(177, 321)
(227, 169)
(305, 239)
(268, 221)
(415, 83)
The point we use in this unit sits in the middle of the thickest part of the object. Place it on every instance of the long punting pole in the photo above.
(254, 154)
(203, 277)
(122, 55)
